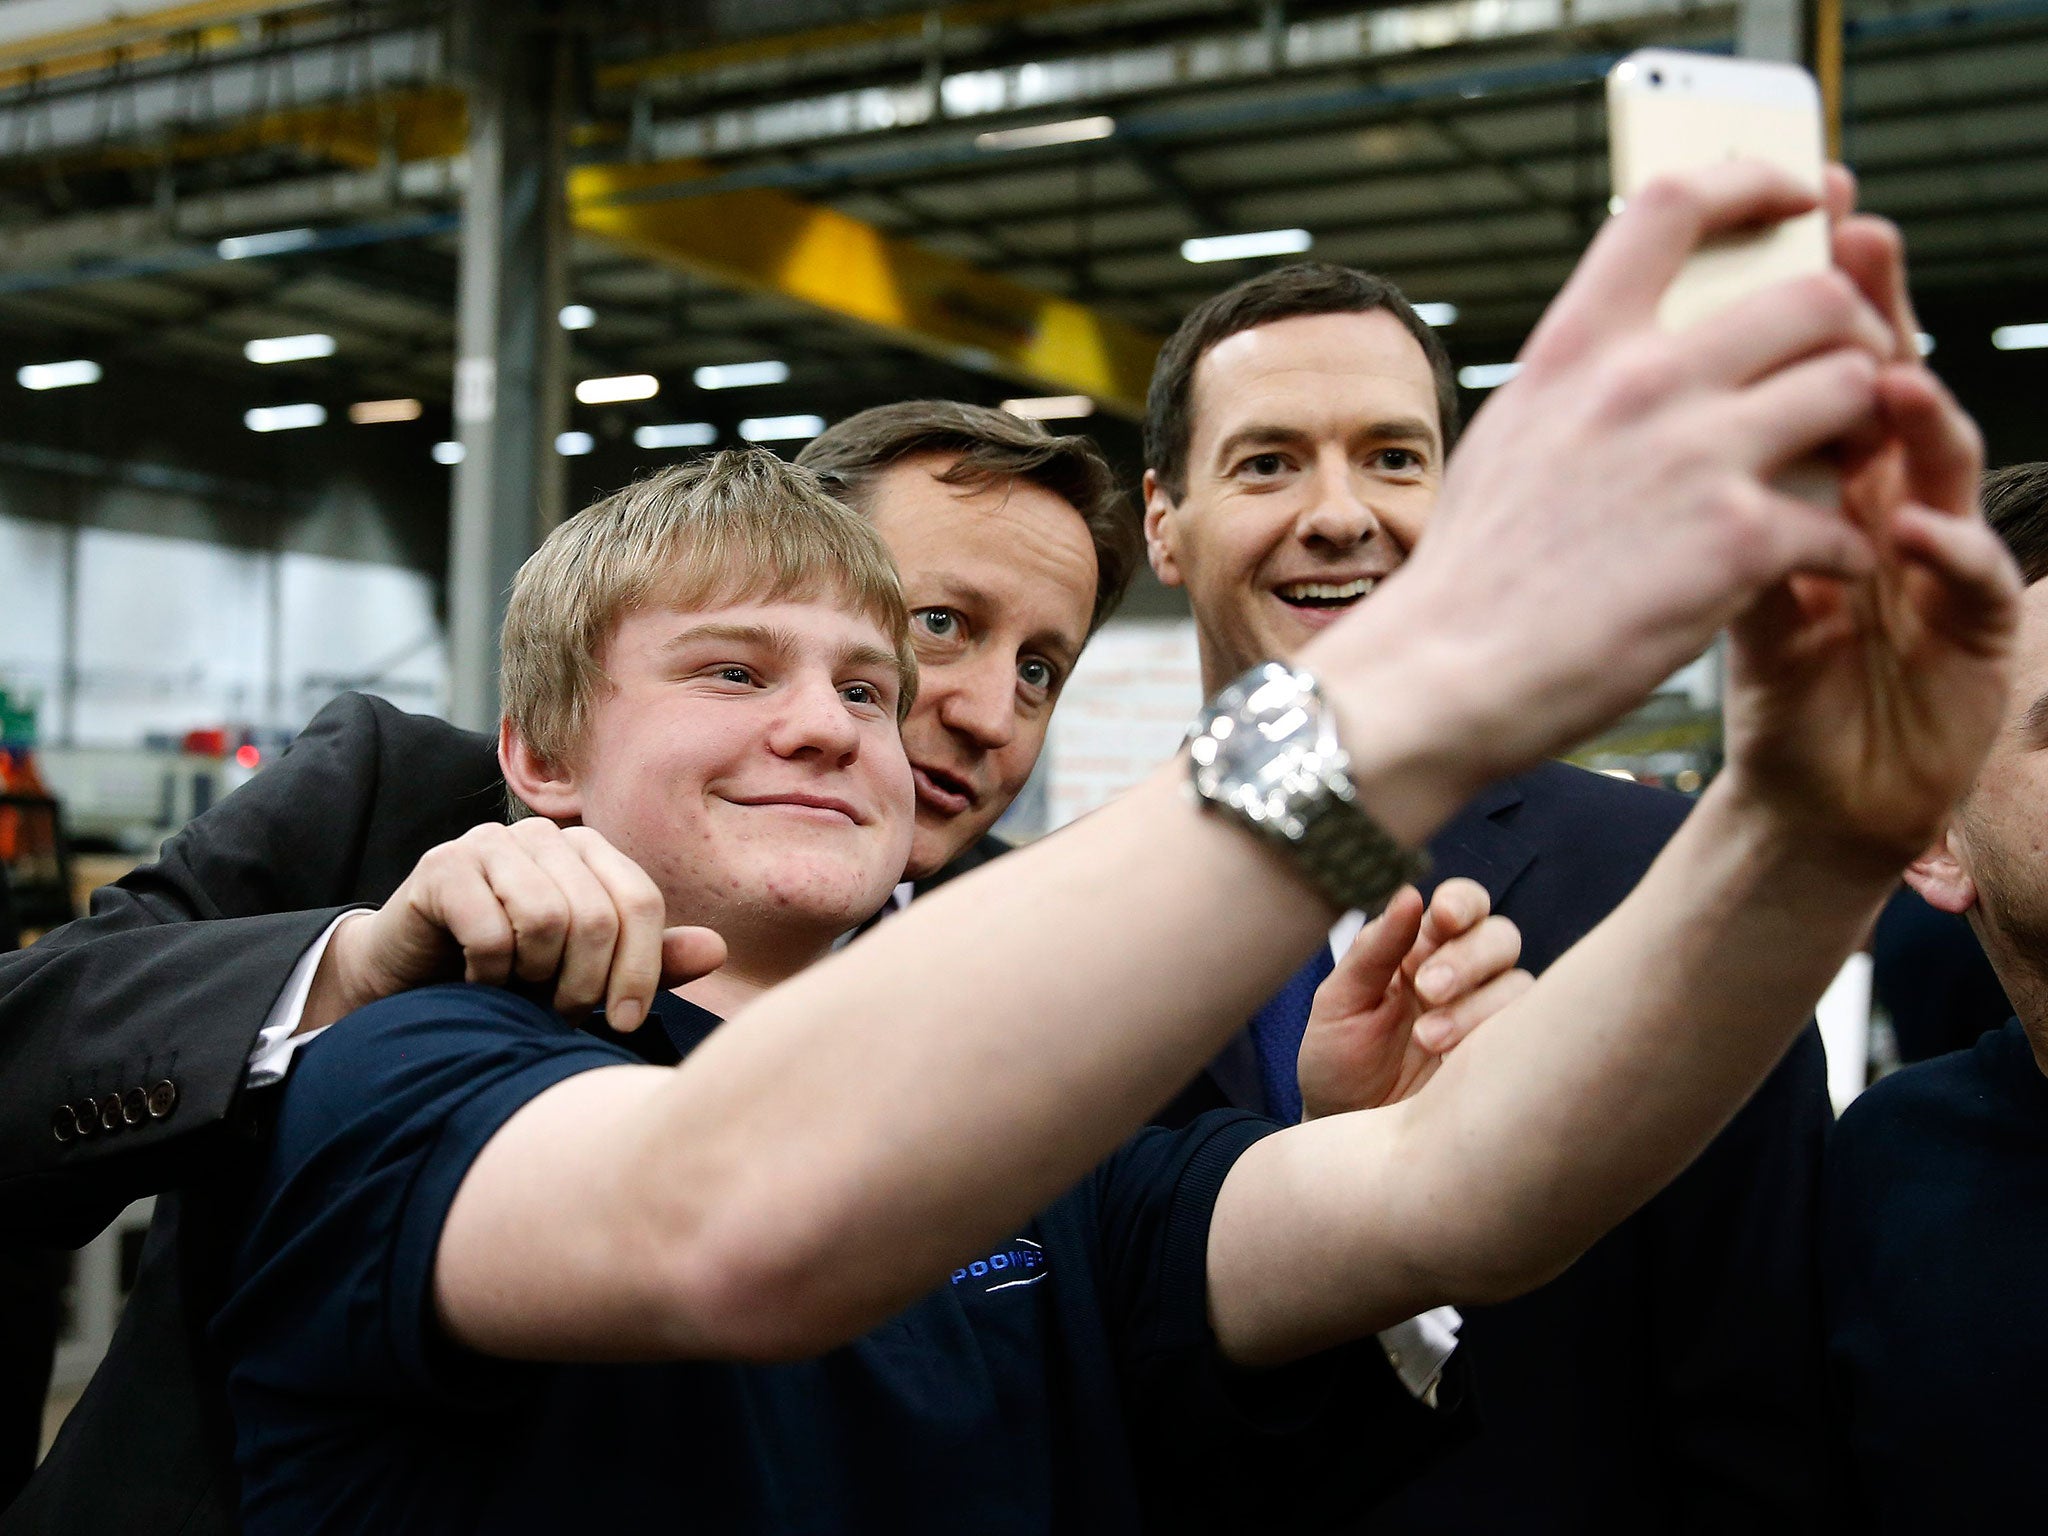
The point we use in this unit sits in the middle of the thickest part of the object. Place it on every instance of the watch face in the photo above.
(1267, 744)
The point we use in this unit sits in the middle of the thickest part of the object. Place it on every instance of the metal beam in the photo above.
(768, 242)
(509, 350)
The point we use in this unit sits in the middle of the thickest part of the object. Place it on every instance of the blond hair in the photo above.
(739, 526)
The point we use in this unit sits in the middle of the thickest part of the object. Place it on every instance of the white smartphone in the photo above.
(1669, 111)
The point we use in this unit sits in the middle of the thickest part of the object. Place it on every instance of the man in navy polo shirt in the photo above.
(753, 1235)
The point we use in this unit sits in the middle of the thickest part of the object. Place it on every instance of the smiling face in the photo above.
(748, 759)
(1314, 459)
(1000, 583)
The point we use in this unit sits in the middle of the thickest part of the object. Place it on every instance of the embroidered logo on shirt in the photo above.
(1022, 1262)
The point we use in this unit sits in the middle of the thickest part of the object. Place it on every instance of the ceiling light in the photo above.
(367, 413)
(289, 349)
(573, 445)
(577, 317)
(1266, 242)
(1487, 375)
(780, 429)
(1436, 314)
(448, 453)
(2019, 338)
(1075, 130)
(274, 243)
(284, 418)
(622, 386)
(741, 375)
(678, 434)
(80, 370)
(1051, 407)
(1924, 342)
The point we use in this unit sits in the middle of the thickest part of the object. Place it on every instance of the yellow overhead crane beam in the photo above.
(769, 242)
(198, 26)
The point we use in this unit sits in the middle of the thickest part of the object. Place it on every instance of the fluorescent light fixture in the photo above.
(573, 445)
(448, 453)
(577, 317)
(272, 243)
(1051, 407)
(1437, 314)
(677, 434)
(1487, 375)
(1075, 130)
(284, 418)
(289, 349)
(80, 370)
(620, 386)
(1924, 342)
(2019, 338)
(1266, 242)
(367, 413)
(780, 429)
(741, 375)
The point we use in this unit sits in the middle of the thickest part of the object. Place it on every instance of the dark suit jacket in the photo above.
(1670, 1379)
(141, 992)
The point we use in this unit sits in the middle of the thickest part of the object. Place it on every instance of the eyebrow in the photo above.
(1396, 429)
(783, 642)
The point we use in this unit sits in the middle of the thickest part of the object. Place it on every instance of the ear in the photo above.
(1159, 532)
(1940, 877)
(550, 791)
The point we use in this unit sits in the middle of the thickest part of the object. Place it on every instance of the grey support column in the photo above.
(1775, 30)
(509, 398)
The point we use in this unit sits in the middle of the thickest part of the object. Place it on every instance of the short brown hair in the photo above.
(1300, 288)
(990, 446)
(737, 526)
(2016, 505)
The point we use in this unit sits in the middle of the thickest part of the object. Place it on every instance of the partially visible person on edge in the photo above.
(1296, 436)
(145, 995)
(1934, 1238)
(753, 1235)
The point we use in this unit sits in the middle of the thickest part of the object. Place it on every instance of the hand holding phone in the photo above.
(1669, 112)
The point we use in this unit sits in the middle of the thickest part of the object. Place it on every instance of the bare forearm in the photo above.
(1561, 1116)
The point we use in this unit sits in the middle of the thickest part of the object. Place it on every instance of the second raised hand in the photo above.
(1415, 982)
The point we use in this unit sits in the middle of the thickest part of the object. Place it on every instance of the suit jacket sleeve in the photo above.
(170, 978)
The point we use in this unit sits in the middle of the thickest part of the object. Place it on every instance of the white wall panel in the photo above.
(32, 610)
(349, 624)
(1122, 713)
(172, 634)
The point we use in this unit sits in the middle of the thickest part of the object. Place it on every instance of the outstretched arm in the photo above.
(820, 1163)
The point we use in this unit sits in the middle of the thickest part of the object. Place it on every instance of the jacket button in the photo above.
(61, 1125)
(134, 1106)
(109, 1110)
(163, 1098)
(85, 1120)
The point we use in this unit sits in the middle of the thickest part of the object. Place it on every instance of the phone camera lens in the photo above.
(1656, 77)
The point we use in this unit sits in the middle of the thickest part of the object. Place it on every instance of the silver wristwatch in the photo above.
(1265, 752)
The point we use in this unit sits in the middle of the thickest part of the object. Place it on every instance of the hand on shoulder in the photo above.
(531, 902)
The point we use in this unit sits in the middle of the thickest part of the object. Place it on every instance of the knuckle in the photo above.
(1641, 376)
(1668, 196)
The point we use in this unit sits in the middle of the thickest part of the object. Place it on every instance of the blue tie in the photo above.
(1277, 1029)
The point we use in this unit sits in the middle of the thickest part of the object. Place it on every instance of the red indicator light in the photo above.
(247, 755)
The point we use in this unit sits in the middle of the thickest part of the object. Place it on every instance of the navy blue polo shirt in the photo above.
(1064, 1381)
(1934, 1263)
